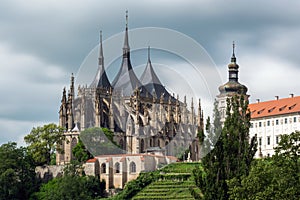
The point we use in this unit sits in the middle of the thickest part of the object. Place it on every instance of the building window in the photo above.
(277, 139)
(251, 125)
(121, 144)
(117, 168)
(285, 120)
(142, 146)
(295, 119)
(259, 141)
(268, 140)
(277, 121)
(103, 168)
(268, 123)
(259, 124)
(132, 167)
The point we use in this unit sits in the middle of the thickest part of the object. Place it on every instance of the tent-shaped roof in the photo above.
(151, 82)
(100, 80)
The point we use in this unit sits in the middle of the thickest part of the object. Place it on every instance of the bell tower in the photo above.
(232, 87)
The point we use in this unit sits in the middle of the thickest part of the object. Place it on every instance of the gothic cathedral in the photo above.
(143, 116)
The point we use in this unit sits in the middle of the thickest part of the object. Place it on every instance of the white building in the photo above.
(270, 119)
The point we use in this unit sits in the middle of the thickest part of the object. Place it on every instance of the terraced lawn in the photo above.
(176, 182)
(166, 189)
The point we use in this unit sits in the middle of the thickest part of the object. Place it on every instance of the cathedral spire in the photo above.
(101, 79)
(64, 96)
(149, 54)
(72, 87)
(126, 49)
(101, 58)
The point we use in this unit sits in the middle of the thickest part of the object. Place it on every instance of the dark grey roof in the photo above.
(152, 83)
(101, 80)
(126, 81)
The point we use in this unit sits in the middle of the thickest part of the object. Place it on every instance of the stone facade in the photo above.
(117, 170)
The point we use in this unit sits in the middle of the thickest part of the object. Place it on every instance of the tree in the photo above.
(232, 154)
(72, 187)
(80, 153)
(43, 142)
(272, 178)
(17, 175)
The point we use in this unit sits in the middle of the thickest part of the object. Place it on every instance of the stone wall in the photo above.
(46, 173)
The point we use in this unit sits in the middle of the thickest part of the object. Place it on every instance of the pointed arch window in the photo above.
(117, 168)
(103, 168)
(132, 167)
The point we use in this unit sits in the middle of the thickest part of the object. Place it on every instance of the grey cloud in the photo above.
(58, 36)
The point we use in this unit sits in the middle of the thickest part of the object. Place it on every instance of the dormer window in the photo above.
(282, 108)
(291, 107)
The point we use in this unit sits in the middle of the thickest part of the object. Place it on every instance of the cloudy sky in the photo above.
(43, 42)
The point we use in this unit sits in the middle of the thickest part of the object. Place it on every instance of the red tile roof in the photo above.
(92, 160)
(275, 107)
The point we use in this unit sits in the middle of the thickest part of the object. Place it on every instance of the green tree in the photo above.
(232, 154)
(272, 178)
(71, 187)
(211, 181)
(43, 142)
(80, 153)
(17, 175)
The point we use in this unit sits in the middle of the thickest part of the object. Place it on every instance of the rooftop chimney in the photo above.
(257, 100)
(277, 97)
(291, 95)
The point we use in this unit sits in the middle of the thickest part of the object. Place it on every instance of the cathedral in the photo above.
(143, 116)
